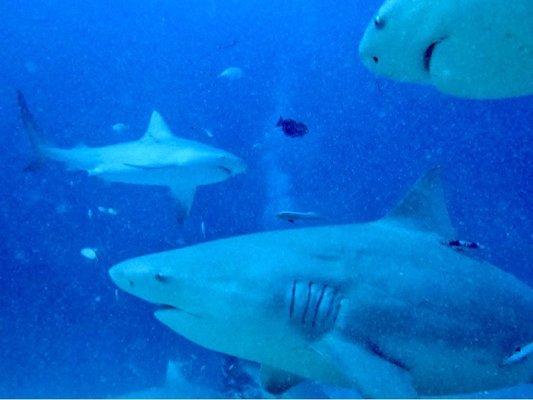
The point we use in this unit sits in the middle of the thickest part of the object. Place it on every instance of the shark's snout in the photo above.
(141, 279)
(232, 165)
(126, 276)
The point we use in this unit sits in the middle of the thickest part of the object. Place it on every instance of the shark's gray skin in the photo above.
(383, 307)
(481, 49)
(159, 158)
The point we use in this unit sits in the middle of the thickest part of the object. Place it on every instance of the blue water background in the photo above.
(86, 65)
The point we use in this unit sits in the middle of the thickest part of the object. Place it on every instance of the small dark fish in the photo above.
(292, 128)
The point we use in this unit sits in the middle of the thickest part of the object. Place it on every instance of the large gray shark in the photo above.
(385, 307)
(468, 48)
(159, 158)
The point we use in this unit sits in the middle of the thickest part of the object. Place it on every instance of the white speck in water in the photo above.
(107, 210)
(31, 67)
(120, 127)
(62, 208)
(89, 253)
(231, 73)
(202, 227)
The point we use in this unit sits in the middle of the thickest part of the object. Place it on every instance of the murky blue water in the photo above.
(87, 65)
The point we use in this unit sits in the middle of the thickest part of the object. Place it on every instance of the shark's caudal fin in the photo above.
(33, 130)
(158, 129)
(424, 206)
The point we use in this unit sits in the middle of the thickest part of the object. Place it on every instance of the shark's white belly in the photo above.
(145, 176)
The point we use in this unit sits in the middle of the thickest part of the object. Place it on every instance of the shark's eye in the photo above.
(379, 23)
(161, 278)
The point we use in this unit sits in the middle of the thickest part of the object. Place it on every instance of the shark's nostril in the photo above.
(131, 283)
(375, 59)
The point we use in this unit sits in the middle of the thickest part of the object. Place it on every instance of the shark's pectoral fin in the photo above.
(424, 206)
(101, 169)
(277, 381)
(371, 374)
(98, 170)
(184, 195)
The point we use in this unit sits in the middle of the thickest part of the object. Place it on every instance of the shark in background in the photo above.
(382, 307)
(480, 49)
(158, 158)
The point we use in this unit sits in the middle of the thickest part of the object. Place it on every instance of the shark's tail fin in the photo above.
(33, 130)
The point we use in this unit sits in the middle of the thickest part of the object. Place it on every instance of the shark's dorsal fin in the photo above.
(158, 129)
(424, 206)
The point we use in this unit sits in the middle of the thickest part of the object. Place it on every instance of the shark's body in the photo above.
(382, 307)
(480, 49)
(159, 158)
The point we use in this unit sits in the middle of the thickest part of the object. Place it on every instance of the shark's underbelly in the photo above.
(156, 176)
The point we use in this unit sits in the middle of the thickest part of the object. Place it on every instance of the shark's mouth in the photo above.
(428, 53)
(225, 169)
(167, 307)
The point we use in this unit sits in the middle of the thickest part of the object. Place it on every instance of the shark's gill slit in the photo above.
(331, 304)
(428, 53)
(309, 292)
(291, 308)
(337, 311)
(317, 307)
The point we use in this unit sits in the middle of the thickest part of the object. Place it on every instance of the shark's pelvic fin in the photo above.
(33, 131)
(184, 195)
(373, 376)
(276, 381)
(158, 129)
(424, 206)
